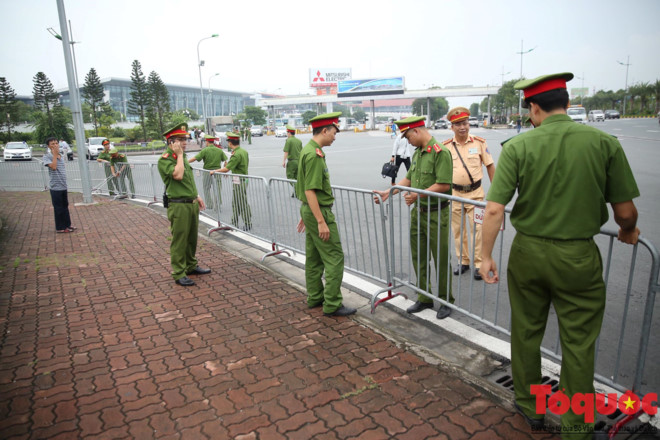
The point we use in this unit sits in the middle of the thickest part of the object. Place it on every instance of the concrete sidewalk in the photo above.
(98, 342)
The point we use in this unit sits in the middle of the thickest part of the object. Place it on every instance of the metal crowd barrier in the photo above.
(23, 176)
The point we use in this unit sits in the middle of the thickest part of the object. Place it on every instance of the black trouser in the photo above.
(398, 161)
(60, 201)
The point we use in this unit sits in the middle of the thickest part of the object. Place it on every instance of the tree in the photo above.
(56, 124)
(45, 97)
(359, 115)
(439, 107)
(93, 94)
(8, 107)
(255, 114)
(474, 109)
(656, 93)
(139, 101)
(309, 114)
(158, 110)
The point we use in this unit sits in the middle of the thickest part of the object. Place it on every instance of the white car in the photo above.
(577, 114)
(94, 147)
(280, 132)
(256, 130)
(17, 151)
(596, 115)
(474, 122)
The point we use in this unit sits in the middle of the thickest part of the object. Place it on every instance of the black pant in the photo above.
(398, 161)
(60, 201)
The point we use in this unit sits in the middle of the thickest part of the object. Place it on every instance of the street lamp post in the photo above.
(520, 94)
(582, 88)
(625, 92)
(210, 101)
(76, 108)
(200, 63)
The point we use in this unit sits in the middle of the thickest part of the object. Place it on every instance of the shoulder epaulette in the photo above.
(437, 148)
(319, 152)
(479, 139)
(165, 156)
(447, 141)
(507, 140)
(122, 156)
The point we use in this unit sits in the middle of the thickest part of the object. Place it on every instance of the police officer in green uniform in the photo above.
(238, 164)
(431, 170)
(213, 158)
(104, 157)
(292, 148)
(323, 250)
(184, 206)
(565, 173)
(121, 170)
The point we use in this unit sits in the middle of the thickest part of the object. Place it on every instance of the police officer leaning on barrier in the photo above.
(121, 170)
(323, 250)
(184, 206)
(104, 157)
(564, 173)
(431, 170)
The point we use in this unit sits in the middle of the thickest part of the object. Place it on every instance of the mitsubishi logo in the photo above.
(318, 77)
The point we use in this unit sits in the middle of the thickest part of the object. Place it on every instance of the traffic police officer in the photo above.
(238, 164)
(119, 168)
(292, 148)
(469, 153)
(323, 248)
(184, 206)
(431, 170)
(104, 157)
(213, 158)
(565, 173)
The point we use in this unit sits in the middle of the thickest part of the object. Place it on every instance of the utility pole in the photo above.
(625, 92)
(520, 94)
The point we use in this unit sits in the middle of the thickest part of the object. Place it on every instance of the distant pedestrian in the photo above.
(518, 124)
(58, 189)
(400, 153)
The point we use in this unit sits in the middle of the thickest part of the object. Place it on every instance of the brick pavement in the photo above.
(98, 342)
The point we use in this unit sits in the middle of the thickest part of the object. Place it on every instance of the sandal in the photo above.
(71, 228)
(63, 231)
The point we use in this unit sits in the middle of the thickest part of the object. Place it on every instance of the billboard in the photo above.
(577, 92)
(372, 86)
(327, 77)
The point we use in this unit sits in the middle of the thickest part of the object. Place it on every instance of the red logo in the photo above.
(318, 77)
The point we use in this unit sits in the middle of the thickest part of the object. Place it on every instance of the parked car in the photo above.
(474, 122)
(280, 131)
(612, 114)
(94, 147)
(256, 130)
(596, 115)
(441, 123)
(17, 151)
(577, 114)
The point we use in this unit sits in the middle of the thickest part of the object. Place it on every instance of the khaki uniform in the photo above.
(476, 155)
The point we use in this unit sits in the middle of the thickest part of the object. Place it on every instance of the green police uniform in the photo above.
(238, 164)
(320, 255)
(292, 146)
(183, 214)
(213, 157)
(120, 163)
(105, 155)
(431, 164)
(565, 174)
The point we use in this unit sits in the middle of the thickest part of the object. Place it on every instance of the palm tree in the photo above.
(645, 92)
(656, 94)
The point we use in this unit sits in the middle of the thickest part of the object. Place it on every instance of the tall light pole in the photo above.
(582, 89)
(200, 63)
(210, 105)
(625, 92)
(76, 108)
(520, 95)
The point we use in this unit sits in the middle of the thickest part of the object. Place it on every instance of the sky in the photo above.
(266, 46)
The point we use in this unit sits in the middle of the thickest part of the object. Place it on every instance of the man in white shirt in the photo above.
(400, 154)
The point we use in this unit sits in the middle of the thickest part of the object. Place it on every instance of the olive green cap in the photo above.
(232, 135)
(290, 128)
(543, 83)
(113, 150)
(209, 138)
(410, 122)
(180, 129)
(326, 119)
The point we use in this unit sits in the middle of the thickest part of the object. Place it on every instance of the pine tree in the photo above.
(46, 100)
(8, 107)
(159, 102)
(139, 101)
(93, 93)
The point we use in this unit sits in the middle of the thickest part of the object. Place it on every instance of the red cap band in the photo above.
(294, 131)
(324, 122)
(551, 84)
(176, 133)
(459, 117)
(404, 127)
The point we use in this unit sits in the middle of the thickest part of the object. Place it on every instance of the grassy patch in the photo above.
(370, 386)
(17, 261)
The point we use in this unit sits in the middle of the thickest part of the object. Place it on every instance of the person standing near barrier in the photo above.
(183, 206)
(121, 170)
(238, 164)
(400, 152)
(431, 170)
(565, 173)
(323, 250)
(469, 154)
(104, 158)
(58, 189)
(213, 158)
(292, 149)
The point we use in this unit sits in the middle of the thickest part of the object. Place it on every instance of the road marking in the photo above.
(653, 131)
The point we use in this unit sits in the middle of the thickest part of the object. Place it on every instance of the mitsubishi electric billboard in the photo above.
(367, 87)
(327, 77)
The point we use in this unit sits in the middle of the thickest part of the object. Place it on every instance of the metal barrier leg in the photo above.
(375, 303)
(275, 251)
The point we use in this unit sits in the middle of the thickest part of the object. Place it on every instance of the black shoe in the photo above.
(462, 268)
(133, 196)
(315, 305)
(536, 424)
(418, 307)
(342, 311)
(185, 281)
(199, 271)
(477, 275)
(443, 312)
